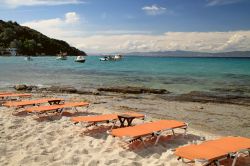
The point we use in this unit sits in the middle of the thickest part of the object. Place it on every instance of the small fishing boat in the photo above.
(111, 58)
(28, 58)
(62, 56)
(106, 58)
(117, 57)
(80, 59)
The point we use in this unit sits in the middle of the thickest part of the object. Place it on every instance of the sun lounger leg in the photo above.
(173, 132)
(75, 109)
(142, 140)
(61, 112)
(235, 159)
(144, 119)
(217, 163)
(158, 137)
(114, 122)
(185, 132)
(244, 151)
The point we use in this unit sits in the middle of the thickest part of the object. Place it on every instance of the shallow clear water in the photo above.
(179, 75)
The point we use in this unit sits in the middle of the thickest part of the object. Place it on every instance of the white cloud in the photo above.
(71, 17)
(69, 29)
(17, 3)
(191, 41)
(60, 28)
(221, 2)
(154, 10)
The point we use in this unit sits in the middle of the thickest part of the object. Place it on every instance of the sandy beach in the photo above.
(125, 83)
(26, 140)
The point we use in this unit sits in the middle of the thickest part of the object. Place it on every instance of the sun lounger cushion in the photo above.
(105, 117)
(5, 93)
(147, 128)
(41, 109)
(98, 118)
(15, 95)
(30, 102)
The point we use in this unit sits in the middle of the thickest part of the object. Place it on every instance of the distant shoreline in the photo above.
(151, 56)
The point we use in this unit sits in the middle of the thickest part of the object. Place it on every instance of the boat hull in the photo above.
(80, 61)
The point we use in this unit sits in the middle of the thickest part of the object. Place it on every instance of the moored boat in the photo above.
(28, 58)
(111, 58)
(80, 59)
(62, 56)
(117, 57)
(106, 58)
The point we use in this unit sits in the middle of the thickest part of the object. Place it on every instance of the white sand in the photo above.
(28, 142)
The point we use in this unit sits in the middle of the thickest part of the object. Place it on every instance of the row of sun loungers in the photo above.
(55, 105)
(207, 153)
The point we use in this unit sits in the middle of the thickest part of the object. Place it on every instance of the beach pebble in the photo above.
(21, 87)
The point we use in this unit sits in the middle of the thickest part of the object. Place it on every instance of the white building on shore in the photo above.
(13, 51)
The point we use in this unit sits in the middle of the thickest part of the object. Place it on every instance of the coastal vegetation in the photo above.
(31, 42)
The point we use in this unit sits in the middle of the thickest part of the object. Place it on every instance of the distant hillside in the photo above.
(192, 54)
(31, 42)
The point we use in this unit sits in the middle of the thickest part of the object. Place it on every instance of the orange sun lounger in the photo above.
(93, 120)
(12, 95)
(157, 128)
(24, 103)
(214, 151)
(5, 93)
(55, 108)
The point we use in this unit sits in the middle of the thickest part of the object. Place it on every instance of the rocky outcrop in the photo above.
(23, 87)
(61, 89)
(205, 97)
(232, 90)
(134, 90)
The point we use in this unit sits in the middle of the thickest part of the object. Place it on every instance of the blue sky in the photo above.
(98, 26)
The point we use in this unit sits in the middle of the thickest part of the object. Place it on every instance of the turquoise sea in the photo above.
(178, 75)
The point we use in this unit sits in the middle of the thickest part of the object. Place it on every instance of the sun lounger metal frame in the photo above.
(158, 135)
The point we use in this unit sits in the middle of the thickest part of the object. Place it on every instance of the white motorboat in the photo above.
(104, 58)
(80, 59)
(117, 57)
(111, 58)
(62, 56)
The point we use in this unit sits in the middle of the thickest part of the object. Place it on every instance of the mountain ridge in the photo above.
(31, 42)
